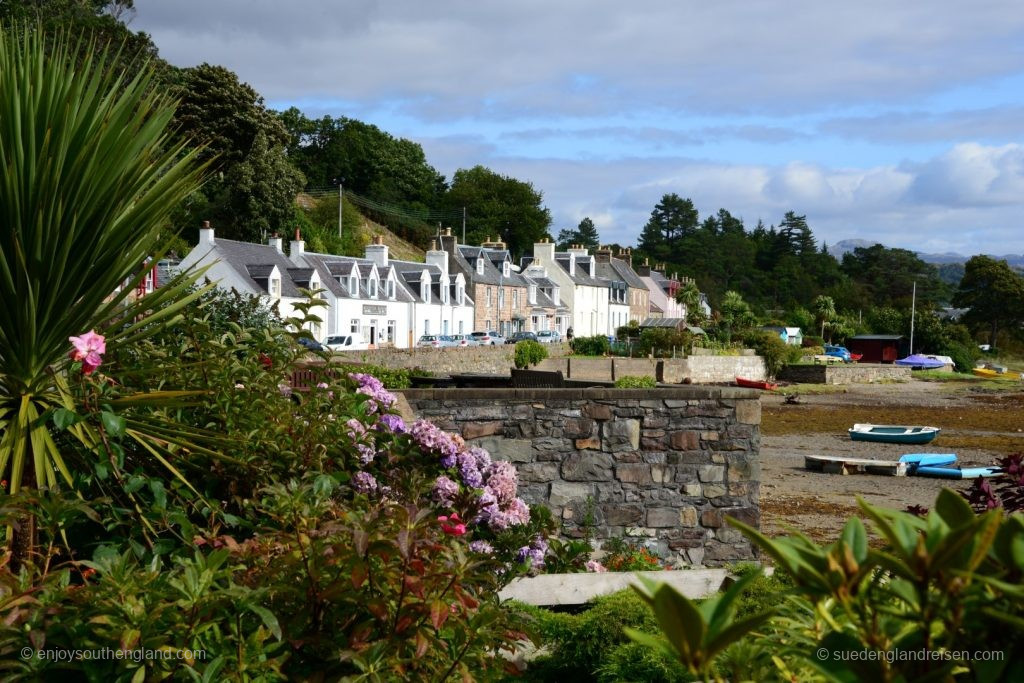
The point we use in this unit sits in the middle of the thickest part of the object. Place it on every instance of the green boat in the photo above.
(893, 433)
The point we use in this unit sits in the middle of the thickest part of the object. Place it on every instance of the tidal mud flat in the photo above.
(978, 423)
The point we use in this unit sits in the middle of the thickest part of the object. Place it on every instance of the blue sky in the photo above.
(896, 122)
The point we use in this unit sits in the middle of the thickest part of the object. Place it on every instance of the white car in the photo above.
(491, 338)
(549, 336)
(346, 342)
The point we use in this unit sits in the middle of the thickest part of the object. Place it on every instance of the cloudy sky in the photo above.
(901, 122)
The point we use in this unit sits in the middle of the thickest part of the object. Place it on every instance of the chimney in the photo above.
(206, 233)
(578, 249)
(438, 257)
(494, 243)
(645, 269)
(377, 252)
(276, 242)
(448, 241)
(603, 255)
(544, 252)
(297, 249)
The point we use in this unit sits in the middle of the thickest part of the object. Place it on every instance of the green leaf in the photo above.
(855, 537)
(268, 618)
(113, 424)
(953, 508)
(63, 418)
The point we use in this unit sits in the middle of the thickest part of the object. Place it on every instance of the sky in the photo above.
(897, 122)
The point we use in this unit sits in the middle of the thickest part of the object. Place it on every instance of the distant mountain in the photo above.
(844, 246)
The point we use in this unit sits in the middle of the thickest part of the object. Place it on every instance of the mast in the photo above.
(913, 306)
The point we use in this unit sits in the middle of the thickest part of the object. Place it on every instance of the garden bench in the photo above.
(537, 379)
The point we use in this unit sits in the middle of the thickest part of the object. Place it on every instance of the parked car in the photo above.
(838, 352)
(549, 336)
(435, 341)
(311, 344)
(487, 338)
(462, 340)
(521, 336)
(346, 342)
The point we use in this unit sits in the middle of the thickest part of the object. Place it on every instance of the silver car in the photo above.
(549, 336)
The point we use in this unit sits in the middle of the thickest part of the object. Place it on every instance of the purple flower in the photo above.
(372, 387)
(364, 482)
(469, 471)
(501, 478)
(355, 428)
(366, 454)
(391, 423)
(483, 458)
(531, 555)
(445, 490)
(432, 438)
(482, 547)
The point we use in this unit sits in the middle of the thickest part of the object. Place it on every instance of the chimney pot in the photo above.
(206, 224)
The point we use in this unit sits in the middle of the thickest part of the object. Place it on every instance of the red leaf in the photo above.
(421, 644)
(438, 614)
(359, 574)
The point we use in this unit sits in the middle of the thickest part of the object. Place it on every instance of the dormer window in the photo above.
(372, 290)
(352, 288)
(444, 292)
(460, 294)
(425, 287)
(391, 289)
(533, 294)
(274, 286)
(480, 265)
(555, 295)
(506, 269)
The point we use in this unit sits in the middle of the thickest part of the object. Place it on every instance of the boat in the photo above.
(928, 459)
(756, 384)
(854, 357)
(987, 373)
(957, 472)
(893, 433)
(916, 361)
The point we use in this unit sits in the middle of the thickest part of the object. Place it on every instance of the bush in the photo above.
(773, 350)
(590, 346)
(636, 382)
(528, 353)
(963, 355)
(662, 343)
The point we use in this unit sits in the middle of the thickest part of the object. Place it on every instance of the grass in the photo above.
(812, 389)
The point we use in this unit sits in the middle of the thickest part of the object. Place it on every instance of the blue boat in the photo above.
(893, 433)
(915, 460)
(958, 472)
(916, 361)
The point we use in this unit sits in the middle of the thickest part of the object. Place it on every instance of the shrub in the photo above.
(628, 555)
(963, 355)
(662, 343)
(773, 350)
(597, 345)
(528, 353)
(636, 382)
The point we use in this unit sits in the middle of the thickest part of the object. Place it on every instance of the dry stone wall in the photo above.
(668, 464)
(855, 373)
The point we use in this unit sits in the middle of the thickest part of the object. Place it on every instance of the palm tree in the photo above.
(90, 174)
(824, 310)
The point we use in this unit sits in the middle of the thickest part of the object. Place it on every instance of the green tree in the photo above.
(887, 277)
(90, 175)
(498, 205)
(255, 188)
(824, 311)
(585, 234)
(672, 219)
(993, 294)
(735, 314)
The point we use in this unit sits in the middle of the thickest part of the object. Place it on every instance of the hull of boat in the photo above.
(893, 434)
(756, 384)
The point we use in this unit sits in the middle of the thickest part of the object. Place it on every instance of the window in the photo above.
(515, 298)
(487, 324)
(479, 265)
(505, 268)
(352, 290)
(460, 294)
(461, 331)
(391, 289)
(533, 294)
(391, 330)
(444, 326)
(275, 287)
(373, 288)
(501, 297)
(489, 294)
(354, 326)
(426, 327)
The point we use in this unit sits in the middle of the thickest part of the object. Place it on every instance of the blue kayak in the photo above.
(926, 459)
(957, 472)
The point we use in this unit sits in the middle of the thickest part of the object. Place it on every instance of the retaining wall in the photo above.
(852, 373)
(669, 464)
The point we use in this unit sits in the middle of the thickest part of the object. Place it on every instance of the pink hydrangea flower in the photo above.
(88, 349)
(595, 566)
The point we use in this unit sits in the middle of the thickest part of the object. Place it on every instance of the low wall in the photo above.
(851, 373)
(669, 464)
(496, 360)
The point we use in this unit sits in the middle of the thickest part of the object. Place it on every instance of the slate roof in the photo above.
(627, 273)
(580, 277)
(241, 255)
(466, 256)
(331, 267)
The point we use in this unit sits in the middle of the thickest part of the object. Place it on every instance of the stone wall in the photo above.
(496, 360)
(839, 373)
(669, 464)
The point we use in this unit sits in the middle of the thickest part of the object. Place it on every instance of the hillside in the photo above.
(397, 247)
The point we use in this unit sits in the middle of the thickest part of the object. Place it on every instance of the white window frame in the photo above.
(274, 285)
(354, 326)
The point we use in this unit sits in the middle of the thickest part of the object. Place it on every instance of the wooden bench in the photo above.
(537, 379)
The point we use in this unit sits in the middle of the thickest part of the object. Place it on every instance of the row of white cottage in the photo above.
(458, 290)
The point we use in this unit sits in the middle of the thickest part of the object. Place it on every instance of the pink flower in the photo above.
(88, 349)
(595, 566)
(457, 526)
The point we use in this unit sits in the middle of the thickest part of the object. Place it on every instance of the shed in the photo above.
(677, 324)
(877, 348)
